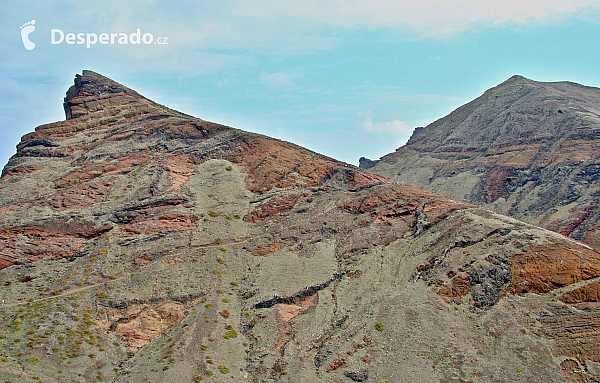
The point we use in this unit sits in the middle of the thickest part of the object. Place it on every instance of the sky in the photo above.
(344, 78)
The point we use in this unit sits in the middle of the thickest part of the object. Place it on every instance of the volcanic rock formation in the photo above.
(525, 149)
(141, 244)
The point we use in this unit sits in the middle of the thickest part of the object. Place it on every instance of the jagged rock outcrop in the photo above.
(365, 163)
(142, 244)
(524, 148)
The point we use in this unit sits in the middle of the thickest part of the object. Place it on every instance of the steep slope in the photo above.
(525, 149)
(141, 244)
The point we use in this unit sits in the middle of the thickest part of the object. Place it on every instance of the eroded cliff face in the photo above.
(525, 149)
(142, 244)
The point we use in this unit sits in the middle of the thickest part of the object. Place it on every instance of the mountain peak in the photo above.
(92, 84)
(513, 149)
(93, 92)
(518, 77)
(516, 80)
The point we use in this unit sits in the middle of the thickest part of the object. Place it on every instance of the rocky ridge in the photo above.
(142, 244)
(525, 149)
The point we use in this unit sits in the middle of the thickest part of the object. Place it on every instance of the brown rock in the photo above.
(587, 293)
(544, 269)
(268, 249)
(146, 323)
(180, 168)
(459, 286)
(272, 207)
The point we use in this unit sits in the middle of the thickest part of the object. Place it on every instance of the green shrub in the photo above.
(379, 326)
(224, 369)
(230, 334)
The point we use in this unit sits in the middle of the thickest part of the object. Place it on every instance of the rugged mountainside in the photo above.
(525, 149)
(142, 244)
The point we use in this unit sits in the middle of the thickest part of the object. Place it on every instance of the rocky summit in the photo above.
(140, 244)
(525, 149)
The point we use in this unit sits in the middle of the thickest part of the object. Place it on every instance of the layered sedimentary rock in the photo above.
(525, 149)
(142, 244)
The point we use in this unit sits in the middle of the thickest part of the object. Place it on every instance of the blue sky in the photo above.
(344, 78)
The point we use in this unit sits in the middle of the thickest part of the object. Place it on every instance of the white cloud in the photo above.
(422, 18)
(204, 36)
(386, 127)
(278, 79)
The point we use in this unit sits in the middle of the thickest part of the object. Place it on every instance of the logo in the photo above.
(57, 36)
(26, 29)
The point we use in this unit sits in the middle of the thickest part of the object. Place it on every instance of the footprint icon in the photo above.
(26, 29)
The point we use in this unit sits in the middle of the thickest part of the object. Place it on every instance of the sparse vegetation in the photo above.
(379, 326)
(231, 333)
(224, 369)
